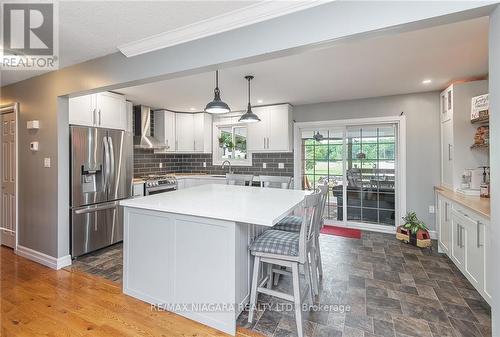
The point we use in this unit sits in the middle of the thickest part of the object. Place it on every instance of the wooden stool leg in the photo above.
(314, 271)
(270, 276)
(318, 258)
(296, 298)
(307, 274)
(253, 293)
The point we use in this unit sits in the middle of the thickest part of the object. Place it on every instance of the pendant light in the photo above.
(249, 116)
(217, 106)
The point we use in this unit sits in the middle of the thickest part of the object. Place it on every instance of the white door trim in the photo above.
(4, 109)
(343, 123)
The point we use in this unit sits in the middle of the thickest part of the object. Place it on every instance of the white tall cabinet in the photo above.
(104, 109)
(457, 132)
(274, 133)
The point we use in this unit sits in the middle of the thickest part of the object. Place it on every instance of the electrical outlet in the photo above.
(432, 209)
(281, 165)
(46, 162)
(161, 165)
(204, 164)
(264, 165)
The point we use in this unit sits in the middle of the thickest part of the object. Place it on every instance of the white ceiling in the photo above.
(90, 29)
(370, 67)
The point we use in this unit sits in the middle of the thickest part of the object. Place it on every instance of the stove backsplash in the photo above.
(146, 162)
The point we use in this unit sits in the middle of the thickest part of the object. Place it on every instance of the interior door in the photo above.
(8, 183)
(121, 165)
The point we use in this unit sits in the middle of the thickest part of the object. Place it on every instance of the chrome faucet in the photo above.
(224, 165)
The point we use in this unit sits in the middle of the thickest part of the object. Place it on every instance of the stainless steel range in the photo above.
(159, 184)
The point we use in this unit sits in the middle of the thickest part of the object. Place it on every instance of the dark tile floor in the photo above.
(392, 289)
(106, 262)
(386, 288)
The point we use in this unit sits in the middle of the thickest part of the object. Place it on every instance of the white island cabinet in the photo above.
(187, 251)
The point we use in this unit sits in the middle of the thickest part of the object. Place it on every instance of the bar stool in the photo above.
(239, 179)
(292, 223)
(275, 182)
(286, 249)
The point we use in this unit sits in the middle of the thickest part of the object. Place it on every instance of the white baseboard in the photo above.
(46, 260)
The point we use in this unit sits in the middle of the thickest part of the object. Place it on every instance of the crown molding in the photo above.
(258, 12)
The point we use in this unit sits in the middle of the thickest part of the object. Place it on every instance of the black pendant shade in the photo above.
(249, 116)
(217, 106)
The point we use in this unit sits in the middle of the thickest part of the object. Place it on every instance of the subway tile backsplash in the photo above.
(146, 162)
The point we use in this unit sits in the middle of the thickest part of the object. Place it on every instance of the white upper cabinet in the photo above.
(165, 128)
(202, 125)
(274, 133)
(104, 109)
(184, 132)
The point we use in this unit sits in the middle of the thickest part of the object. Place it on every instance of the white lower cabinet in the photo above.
(464, 237)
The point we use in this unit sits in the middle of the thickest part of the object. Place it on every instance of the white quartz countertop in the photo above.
(255, 205)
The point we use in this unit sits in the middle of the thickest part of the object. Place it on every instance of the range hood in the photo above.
(142, 130)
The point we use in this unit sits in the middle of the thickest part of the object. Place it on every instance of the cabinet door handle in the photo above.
(462, 230)
(449, 152)
(479, 245)
(99, 116)
(268, 142)
(458, 235)
(446, 212)
(264, 142)
(93, 116)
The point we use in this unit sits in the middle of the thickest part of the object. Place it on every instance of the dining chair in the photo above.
(288, 250)
(275, 182)
(239, 179)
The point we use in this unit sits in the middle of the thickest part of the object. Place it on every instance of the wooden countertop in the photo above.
(476, 204)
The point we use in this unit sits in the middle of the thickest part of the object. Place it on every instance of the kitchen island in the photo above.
(187, 251)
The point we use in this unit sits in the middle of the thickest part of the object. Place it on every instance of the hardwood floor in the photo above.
(38, 301)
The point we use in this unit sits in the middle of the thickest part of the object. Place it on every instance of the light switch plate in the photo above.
(46, 162)
(264, 165)
(432, 209)
(281, 165)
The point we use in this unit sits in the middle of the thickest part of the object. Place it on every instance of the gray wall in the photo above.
(494, 85)
(422, 136)
(43, 192)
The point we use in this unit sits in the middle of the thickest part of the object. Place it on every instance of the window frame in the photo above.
(217, 154)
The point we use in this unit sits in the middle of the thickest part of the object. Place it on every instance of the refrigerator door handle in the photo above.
(106, 163)
(95, 209)
(111, 160)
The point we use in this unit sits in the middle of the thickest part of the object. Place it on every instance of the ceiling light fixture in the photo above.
(249, 116)
(426, 81)
(217, 106)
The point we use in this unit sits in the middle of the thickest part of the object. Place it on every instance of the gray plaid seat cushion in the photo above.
(276, 242)
(290, 223)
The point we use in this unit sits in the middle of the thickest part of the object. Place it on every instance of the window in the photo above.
(231, 145)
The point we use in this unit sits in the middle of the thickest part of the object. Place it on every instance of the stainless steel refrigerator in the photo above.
(101, 175)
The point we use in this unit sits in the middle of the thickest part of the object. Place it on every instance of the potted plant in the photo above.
(414, 231)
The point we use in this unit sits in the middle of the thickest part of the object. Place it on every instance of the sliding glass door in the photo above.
(359, 163)
(371, 173)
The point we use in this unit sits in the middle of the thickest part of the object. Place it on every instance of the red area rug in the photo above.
(341, 231)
